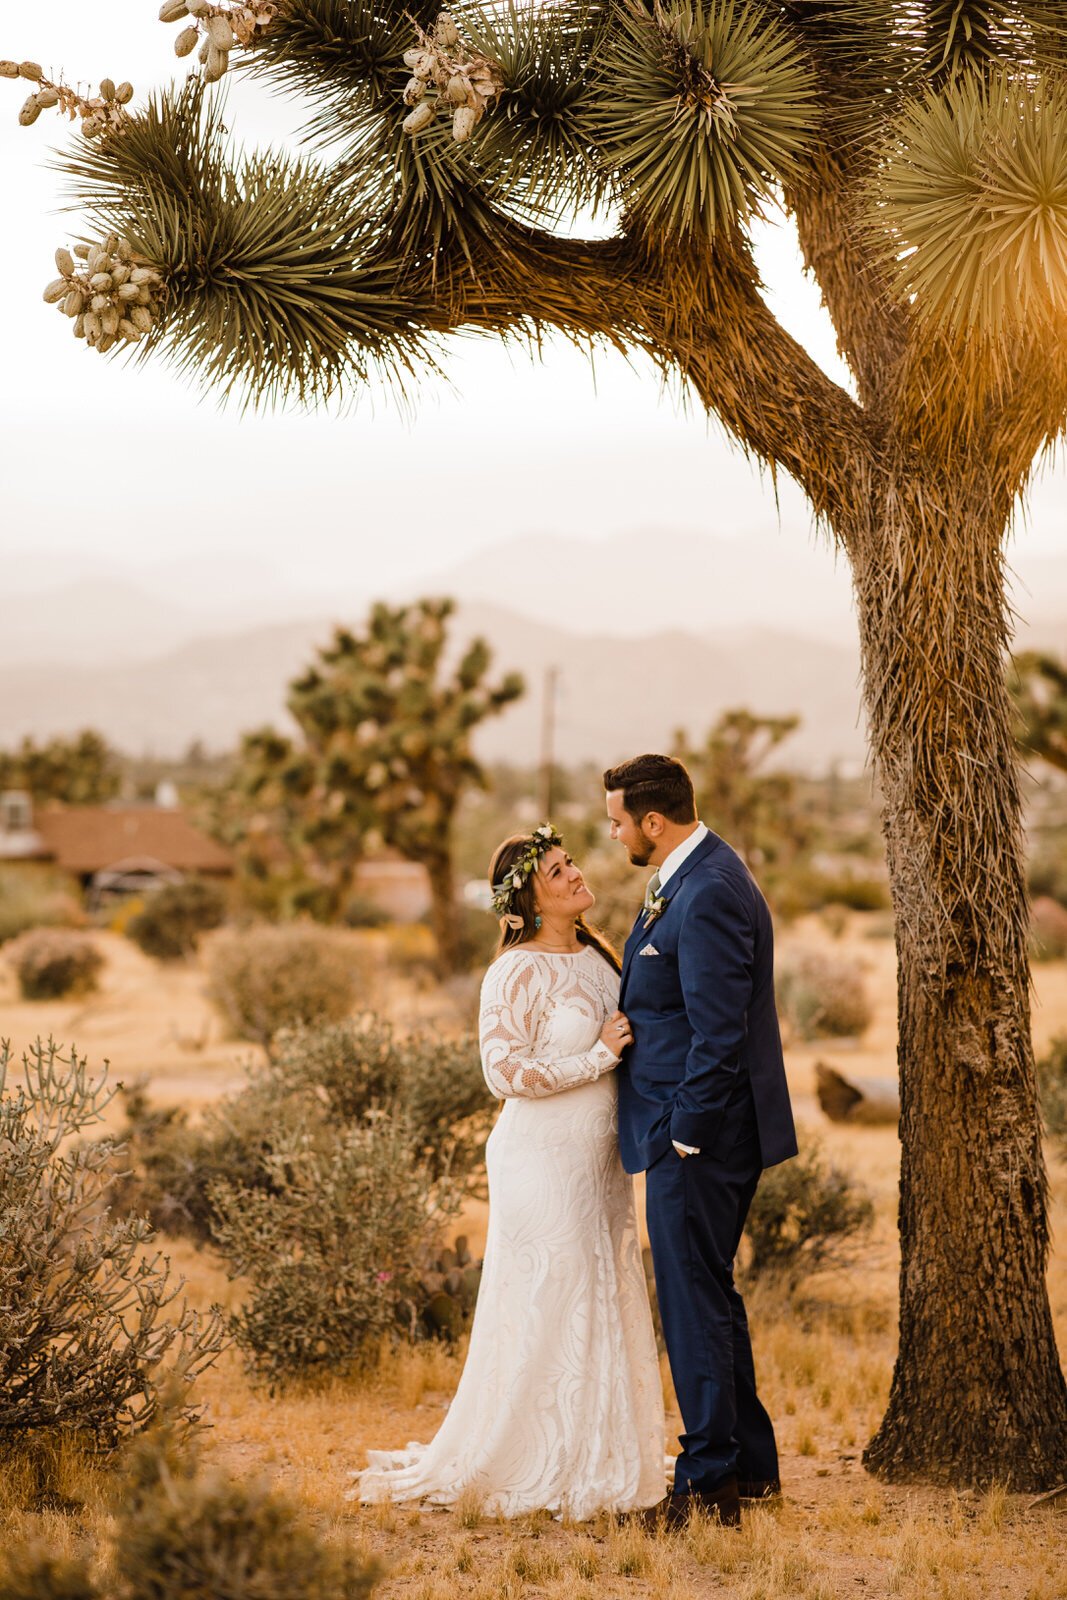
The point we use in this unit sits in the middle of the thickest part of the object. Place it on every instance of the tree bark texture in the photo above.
(977, 1393)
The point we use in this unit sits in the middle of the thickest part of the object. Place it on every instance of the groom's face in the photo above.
(630, 833)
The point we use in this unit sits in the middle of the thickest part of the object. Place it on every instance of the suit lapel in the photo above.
(703, 850)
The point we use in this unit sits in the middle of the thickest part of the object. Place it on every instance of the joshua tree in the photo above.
(385, 751)
(920, 146)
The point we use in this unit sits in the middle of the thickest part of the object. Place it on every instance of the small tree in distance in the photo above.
(1038, 685)
(755, 810)
(384, 755)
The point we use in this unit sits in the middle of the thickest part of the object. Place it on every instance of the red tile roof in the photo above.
(85, 838)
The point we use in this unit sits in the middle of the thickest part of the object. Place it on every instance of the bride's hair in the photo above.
(506, 858)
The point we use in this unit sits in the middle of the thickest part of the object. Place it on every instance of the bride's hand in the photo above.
(616, 1033)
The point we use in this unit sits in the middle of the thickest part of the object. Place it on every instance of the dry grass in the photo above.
(824, 1364)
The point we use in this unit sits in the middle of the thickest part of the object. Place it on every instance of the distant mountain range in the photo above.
(615, 695)
(650, 632)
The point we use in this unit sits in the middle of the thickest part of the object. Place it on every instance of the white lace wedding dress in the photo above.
(559, 1406)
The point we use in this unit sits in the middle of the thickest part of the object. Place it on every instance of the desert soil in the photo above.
(824, 1359)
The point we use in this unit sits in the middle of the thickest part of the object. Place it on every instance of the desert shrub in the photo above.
(318, 1081)
(1052, 1088)
(179, 1532)
(820, 994)
(267, 979)
(806, 1214)
(478, 936)
(82, 1341)
(441, 1300)
(173, 918)
(35, 902)
(362, 911)
(434, 1083)
(34, 1570)
(1048, 930)
(51, 963)
(331, 1250)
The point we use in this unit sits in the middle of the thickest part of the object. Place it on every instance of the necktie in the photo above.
(652, 891)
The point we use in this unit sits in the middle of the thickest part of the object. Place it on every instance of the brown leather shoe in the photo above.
(759, 1488)
(672, 1513)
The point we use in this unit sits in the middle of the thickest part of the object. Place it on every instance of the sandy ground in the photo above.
(824, 1362)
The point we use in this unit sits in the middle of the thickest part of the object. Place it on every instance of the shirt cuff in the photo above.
(686, 1149)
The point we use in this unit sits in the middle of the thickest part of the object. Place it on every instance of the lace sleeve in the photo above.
(512, 996)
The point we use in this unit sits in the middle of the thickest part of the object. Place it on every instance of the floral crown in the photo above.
(542, 839)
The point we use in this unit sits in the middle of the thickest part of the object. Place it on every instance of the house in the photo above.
(111, 849)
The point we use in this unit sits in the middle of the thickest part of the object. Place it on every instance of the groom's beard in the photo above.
(640, 858)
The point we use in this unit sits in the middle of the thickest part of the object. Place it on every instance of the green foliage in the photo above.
(1052, 1085)
(266, 291)
(703, 111)
(821, 995)
(83, 1344)
(806, 1215)
(267, 979)
(1038, 685)
(432, 1083)
(52, 963)
(319, 1082)
(174, 917)
(79, 771)
(330, 1249)
(385, 750)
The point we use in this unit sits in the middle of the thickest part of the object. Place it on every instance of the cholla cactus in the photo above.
(450, 72)
(217, 29)
(99, 112)
(114, 297)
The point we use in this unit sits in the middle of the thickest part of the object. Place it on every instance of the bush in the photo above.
(1052, 1088)
(1048, 930)
(81, 1335)
(35, 902)
(268, 979)
(51, 963)
(820, 995)
(174, 917)
(179, 1533)
(433, 1083)
(331, 1252)
(361, 911)
(806, 1214)
(320, 1080)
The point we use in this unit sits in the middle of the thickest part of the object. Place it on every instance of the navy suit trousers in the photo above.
(696, 1209)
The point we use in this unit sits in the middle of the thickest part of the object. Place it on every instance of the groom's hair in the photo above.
(654, 783)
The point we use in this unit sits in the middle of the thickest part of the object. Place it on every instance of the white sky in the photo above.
(126, 465)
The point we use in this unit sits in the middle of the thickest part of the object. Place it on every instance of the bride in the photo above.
(559, 1406)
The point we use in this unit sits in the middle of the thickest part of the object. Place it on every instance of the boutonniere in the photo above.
(654, 909)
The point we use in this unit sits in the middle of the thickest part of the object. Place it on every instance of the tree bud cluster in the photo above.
(446, 74)
(217, 29)
(105, 110)
(111, 295)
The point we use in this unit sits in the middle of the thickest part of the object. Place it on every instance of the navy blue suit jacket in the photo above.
(707, 1054)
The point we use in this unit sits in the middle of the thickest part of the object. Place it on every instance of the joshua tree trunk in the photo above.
(443, 916)
(977, 1390)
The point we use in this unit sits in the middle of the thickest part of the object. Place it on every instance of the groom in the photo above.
(703, 1108)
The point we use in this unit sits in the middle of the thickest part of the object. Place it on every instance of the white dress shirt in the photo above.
(679, 854)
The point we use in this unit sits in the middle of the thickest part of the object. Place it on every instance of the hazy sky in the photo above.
(127, 464)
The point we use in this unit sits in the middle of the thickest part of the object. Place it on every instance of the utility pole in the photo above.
(548, 732)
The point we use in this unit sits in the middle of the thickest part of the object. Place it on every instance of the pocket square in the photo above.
(649, 950)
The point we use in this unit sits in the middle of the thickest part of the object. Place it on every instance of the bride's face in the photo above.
(559, 889)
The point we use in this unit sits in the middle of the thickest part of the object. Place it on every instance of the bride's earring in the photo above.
(537, 924)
